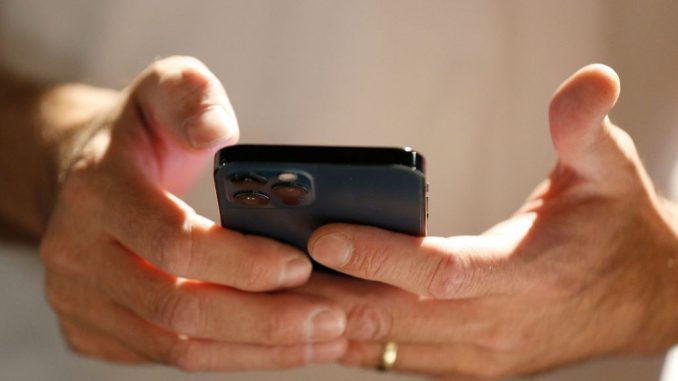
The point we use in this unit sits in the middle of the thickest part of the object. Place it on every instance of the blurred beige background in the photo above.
(465, 82)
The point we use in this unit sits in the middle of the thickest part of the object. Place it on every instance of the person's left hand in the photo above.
(583, 269)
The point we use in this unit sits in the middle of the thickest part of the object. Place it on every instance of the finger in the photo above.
(87, 341)
(377, 312)
(193, 354)
(176, 115)
(578, 111)
(169, 234)
(218, 356)
(160, 227)
(449, 361)
(207, 355)
(586, 141)
(88, 307)
(207, 311)
(441, 268)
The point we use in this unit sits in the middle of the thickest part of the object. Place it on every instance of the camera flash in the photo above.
(287, 177)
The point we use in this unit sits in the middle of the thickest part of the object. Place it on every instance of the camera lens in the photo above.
(252, 199)
(290, 194)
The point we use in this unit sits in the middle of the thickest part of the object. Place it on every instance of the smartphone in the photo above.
(286, 192)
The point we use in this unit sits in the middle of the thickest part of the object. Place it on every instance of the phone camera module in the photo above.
(288, 177)
(253, 199)
(290, 194)
(248, 180)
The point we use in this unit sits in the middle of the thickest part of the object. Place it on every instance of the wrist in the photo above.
(41, 122)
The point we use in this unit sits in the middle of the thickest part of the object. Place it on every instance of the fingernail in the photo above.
(212, 127)
(325, 324)
(295, 272)
(325, 352)
(333, 250)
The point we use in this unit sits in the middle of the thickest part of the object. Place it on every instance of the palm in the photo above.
(577, 271)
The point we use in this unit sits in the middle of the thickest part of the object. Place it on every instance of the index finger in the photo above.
(169, 234)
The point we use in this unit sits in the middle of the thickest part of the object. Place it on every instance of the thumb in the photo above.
(185, 116)
(588, 144)
(578, 119)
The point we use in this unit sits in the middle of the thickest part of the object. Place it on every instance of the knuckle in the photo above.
(54, 255)
(59, 303)
(451, 277)
(184, 355)
(258, 273)
(75, 343)
(74, 346)
(365, 322)
(276, 330)
(69, 337)
(172, 244)
(372, 263)
(256, 279)
(181, 312)
(260, 265)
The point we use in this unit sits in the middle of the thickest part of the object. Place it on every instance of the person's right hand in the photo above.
(135, 275)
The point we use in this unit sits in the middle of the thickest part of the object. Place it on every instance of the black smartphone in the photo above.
(286, 192)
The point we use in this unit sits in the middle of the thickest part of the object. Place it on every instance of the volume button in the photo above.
(426, 206)
(426, 199)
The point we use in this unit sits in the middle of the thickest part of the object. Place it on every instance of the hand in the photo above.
(135, 275)
(587, 267)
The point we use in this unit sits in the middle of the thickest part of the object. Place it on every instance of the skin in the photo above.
(119, 247)
(587, 267)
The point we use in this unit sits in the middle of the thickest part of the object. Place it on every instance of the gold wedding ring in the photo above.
(388, 356)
